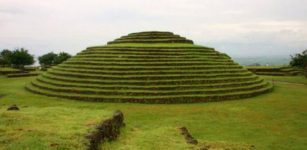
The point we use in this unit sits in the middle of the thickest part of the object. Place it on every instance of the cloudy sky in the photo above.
(237, 27)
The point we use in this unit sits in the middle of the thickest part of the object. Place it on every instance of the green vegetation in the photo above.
(300, 61)
(47, 59)
(149, 73)
(43, 123)
(274, 71)
(271, 121)
(5, 57)
(20, 57)
(13, 72)
(51, 59)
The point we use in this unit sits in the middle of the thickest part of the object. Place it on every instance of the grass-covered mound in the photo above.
(133, 70)
(275, 71)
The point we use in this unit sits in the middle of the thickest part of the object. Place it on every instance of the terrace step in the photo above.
(153, 72)
(149, 82)
(152, 56)
(147, 87)
(150, 53)
(157, 68)
(138, 64)
(274, 71)
(128, 92)
(153, 99)
(145, 77)
(147, 60)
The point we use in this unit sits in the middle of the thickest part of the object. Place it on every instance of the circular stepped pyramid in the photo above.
(150, 67)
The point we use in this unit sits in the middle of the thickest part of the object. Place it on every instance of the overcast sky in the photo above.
(237, 27)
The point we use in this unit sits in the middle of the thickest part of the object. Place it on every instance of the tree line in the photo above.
(19, 58)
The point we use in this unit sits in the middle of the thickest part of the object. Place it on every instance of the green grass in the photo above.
(43, 123)
(272, 121)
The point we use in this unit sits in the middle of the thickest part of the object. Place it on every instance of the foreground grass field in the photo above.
(277, 120)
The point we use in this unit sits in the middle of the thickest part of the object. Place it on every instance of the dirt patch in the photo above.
(54, 145)
(13, 107)
(197, 145)
(223, 146)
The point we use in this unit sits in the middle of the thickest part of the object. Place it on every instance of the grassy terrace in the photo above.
(8, 70)
(277, 71)
(152, 87)
(271, 121)
(170, 72)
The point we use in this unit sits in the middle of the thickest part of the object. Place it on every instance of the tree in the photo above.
(300, 61)
(2, 61)
(61, 57)
(20, 57)
(47, 59)
(5, 57)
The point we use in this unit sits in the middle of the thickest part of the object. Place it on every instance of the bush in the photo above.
(20, 57)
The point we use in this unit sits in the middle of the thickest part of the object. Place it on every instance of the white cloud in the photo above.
(237, 27)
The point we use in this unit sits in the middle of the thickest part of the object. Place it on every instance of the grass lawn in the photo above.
(277, 120)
